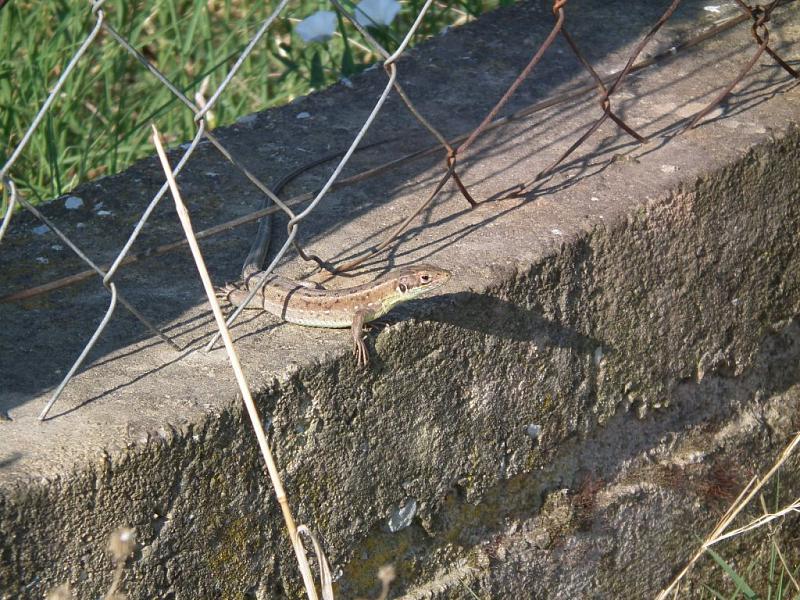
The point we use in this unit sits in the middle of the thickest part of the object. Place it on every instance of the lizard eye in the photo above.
(402, 288)
(425, 278)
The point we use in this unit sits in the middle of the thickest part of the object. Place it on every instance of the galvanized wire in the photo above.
(64, 238)
(294, 220)
(236, 367)
(56, 89)
(200, 134)
(8, 184)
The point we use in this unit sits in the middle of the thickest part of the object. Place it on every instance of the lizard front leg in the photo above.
(359, 348)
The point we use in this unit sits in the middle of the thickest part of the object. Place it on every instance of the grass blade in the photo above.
(741, 584)
(714, 592)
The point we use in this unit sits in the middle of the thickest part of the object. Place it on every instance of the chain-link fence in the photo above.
(757, 17)
(454, 150)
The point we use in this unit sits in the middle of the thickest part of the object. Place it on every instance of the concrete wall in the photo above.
(614, 357)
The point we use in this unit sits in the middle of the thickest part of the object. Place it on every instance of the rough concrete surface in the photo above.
(613, 357)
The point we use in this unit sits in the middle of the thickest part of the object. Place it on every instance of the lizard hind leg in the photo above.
(359, 346)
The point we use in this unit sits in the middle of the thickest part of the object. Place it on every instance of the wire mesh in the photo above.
(759, 14)
(453, 150)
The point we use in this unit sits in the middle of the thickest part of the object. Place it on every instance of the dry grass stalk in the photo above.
(744, 498)
(252, 411)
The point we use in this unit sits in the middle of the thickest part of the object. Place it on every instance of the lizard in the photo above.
(303, 304)
(307, 303)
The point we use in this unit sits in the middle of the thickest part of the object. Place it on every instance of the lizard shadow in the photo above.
(488, 315)
(10, 459)
(479, 313)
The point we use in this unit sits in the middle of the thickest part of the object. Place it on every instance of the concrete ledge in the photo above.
(605, 349)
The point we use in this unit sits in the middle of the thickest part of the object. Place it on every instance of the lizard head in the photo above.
(418, 279)
(408, 283)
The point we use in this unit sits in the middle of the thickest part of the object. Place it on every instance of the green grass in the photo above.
(778, 584)
(98, 125)
(775, 571)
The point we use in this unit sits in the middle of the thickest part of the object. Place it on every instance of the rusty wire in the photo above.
(606, 92)
(364, 175)
(604, 87)
(558, 10)
(760, 15)
(452, 154)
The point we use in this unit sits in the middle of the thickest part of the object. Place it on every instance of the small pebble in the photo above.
(247, 120)
(303, 115)
(534, 431)
(403, 516)
(598, 355)
(73, 203)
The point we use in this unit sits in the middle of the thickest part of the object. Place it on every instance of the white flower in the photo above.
(318, 27)
(371, 13)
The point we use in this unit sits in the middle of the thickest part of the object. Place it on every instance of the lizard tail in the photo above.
(235, 295)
